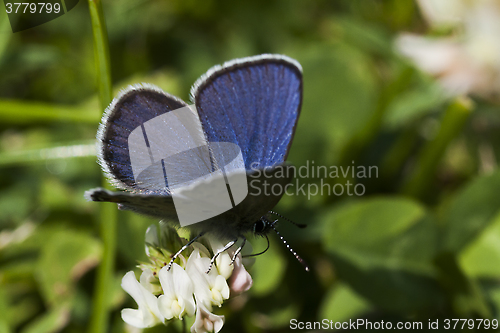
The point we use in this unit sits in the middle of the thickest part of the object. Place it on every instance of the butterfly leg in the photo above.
(182, 249)
(228, 245)
(238, 250)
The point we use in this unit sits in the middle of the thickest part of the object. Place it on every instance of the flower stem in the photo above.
(108, 213)
(101, 52)
(431, 154)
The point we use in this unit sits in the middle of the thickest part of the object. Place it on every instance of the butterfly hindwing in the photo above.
(155, 205)
(229, 224)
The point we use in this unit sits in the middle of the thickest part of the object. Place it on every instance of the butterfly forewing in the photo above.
(128, 112)
(254, 103)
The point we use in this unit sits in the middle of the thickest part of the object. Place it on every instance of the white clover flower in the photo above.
(148, 314)
(467, 61)
(177, 299)
(186, 288)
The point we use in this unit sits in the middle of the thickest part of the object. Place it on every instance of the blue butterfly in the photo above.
(253, 103)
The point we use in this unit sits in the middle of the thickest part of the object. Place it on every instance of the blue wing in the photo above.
(252, 102)
(133, 107)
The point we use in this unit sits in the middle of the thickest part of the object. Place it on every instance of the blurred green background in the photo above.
(422, 243)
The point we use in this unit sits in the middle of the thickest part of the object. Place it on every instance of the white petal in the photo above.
(240, 281)
(148, 281)
(434, 56)
(152, 234)
(184, 289)
(178, 291)
(135, 318)
(148, 311)
(182, 282)
(202, 265)
(151, 237)
(215, 244)
(165, 306)
(202, 250)
(223, 260)
(223, 263)
(202, 290)
(206, 321)
(221, 285)
(190, 306)
(167, 280)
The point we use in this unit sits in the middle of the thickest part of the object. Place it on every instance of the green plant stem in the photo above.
(24, 157)
(22, 112)
(108, 215)
(101, 52)
(398, 153)
(431, 154)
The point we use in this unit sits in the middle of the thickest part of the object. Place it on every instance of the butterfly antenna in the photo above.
(287, 219)
(291, 250)
(258, 254)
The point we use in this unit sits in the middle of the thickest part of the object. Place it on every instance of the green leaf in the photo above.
(51, 321)
(130, 236)
(410, 105)
(277, 317)
(66, 256)
(390, 242)
(340, 86)
(4, 310)
(493, 292)
(15, 204)
(472, 210)
(365, 36)
(342, 303)
(476, 259)
(4, 326)
(269, 269)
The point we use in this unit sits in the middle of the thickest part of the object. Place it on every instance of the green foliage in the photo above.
(266, 280)
(421, 243)
(390, 242)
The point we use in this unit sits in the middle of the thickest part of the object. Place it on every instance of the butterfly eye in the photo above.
(260, 226)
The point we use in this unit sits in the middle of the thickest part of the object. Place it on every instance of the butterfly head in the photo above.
(262, 226)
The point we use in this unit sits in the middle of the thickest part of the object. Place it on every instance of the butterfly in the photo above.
(250, 103)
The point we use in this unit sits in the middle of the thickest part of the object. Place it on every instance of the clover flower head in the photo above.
(186, 289)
